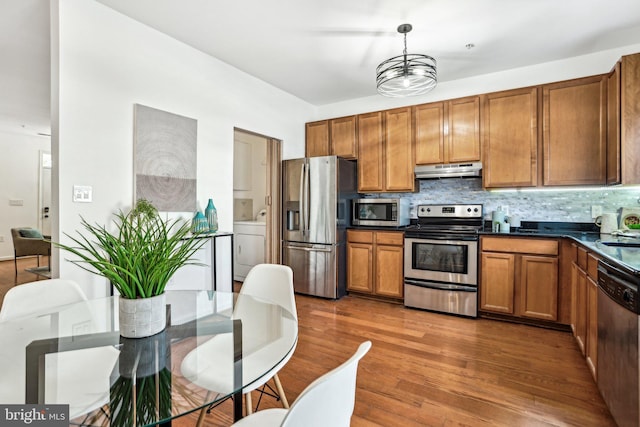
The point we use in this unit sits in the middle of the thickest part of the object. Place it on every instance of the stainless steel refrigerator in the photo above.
(316, 194)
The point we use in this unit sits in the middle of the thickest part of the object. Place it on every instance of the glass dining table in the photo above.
(74, 355)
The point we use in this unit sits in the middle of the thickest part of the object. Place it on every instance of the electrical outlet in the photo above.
(1, 238)
(596, 211)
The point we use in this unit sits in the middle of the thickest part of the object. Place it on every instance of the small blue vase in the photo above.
(199, 223)
(212, 216)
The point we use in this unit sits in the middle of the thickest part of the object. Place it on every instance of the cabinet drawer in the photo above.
(389, 238)
(360, 236)
(582, 258)
(517, 245)
(592, 266)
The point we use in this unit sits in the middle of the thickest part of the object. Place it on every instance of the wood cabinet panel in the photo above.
(520, 245)
(497, 282)
(360, 278)
(630, 119)
(375, 263)
(317, 138)
(539, 287)
(592, 327)
(574, 132)
(614, 174)
(343, 137)
(398, 153)
(518, 283)
(370, 152)
(389, 238)
(429, 133)
(463, 133)
(389, 272)
(510, 138)
(581, 309)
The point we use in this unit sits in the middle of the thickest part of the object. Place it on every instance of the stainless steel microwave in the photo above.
(380, 212)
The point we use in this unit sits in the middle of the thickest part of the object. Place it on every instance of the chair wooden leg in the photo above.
(249, 403)
(15, 264)
(285, 403)
(203, 412)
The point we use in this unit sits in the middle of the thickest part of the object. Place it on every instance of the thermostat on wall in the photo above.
(82, 193)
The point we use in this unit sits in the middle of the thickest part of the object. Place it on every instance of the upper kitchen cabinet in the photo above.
(317, 138)
(574, 132)
(343, 137)
(336, 137)
(448, 132)
(510, 138)
(623, 122)
(385, 151)
(370, 152)
(398, 150)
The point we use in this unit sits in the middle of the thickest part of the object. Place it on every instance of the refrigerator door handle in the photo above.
(306, 199)
(310, 248)
(301, 198)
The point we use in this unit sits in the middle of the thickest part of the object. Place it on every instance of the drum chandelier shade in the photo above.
(407, 74)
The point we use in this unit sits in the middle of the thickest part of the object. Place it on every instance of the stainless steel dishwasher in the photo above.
(618, 327)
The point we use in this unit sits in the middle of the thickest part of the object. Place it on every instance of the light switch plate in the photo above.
(16, 202)
(82, 193)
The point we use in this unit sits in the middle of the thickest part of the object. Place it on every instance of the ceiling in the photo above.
(326, 51)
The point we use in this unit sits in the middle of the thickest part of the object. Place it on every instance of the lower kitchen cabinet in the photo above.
(375, 263)
(519, 277)
(584, 307)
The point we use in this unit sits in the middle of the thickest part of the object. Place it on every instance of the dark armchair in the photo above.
(29, 242)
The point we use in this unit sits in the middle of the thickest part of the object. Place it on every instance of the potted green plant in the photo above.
(138, 258)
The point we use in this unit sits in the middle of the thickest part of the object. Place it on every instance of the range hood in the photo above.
(453, 170)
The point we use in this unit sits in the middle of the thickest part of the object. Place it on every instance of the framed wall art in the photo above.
(165, 159)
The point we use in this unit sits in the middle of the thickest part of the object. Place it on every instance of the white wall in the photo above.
(19, 176)
(106, 63)
(570, 68)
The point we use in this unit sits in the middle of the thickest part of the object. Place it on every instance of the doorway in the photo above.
(256, 201)
(44, 193)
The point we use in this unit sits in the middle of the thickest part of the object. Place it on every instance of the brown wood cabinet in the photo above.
(574, 132)
(519, 277)
(448, 132)
(623, 120)
(385, 151)
(375, 263)
(317, 138)
(335, 137)
(343, 137)
(370, 152)
(584, 304)
(510, 138)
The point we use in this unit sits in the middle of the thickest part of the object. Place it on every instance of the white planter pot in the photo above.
(142, 317)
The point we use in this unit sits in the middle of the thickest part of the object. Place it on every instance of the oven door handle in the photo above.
(441, 286)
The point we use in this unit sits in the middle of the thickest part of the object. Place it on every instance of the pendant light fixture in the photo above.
(407, 74)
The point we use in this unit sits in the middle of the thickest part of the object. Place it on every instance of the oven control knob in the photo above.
(626, 295)
(475, 209)
(468, 209)
(428, 209)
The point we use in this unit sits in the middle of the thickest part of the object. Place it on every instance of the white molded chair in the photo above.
(42, 295)
(328, 401)
(88, 369)
(272, 283)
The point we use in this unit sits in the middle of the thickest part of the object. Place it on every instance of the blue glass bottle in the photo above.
(212, 216)
(199, 223)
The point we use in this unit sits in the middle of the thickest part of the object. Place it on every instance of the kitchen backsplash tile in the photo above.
(570, 205)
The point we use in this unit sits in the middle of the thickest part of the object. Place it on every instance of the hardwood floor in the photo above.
(428, 369)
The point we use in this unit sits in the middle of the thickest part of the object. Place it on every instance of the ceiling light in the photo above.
(407, 74)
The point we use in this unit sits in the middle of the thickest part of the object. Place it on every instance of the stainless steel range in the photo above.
(441, 259)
